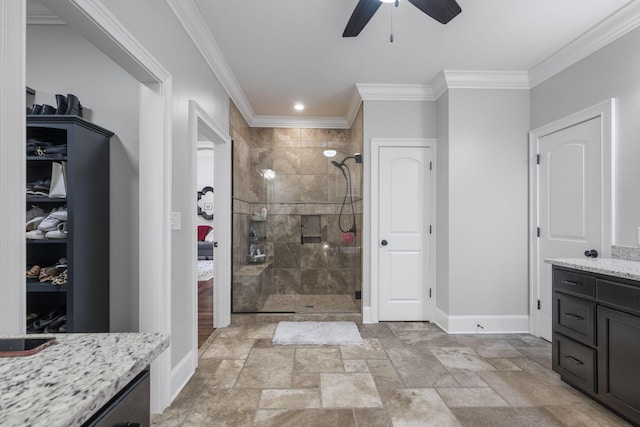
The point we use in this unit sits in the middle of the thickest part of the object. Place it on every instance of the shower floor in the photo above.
(310, 304)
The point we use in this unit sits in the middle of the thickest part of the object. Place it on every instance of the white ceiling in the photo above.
(271, 54)
(285, 51)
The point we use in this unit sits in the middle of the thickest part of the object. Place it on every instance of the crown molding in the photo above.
(615, 26)
(194, 24)
(463, 79)
(395, 92)
(301, 122)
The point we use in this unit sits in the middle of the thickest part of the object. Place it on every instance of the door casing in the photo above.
(605, 111)
(376, 143)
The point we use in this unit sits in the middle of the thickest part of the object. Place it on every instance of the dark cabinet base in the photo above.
(128, 408)
(596, 340)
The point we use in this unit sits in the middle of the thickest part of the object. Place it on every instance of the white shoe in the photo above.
(33, 223)
(51, 222)
(59, 233)
(35, 234)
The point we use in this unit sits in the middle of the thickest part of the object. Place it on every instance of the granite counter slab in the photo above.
(66, 383)
(608, 266)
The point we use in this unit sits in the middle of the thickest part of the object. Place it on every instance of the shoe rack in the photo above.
(83, 295)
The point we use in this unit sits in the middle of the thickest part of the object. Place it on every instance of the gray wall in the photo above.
(611, 72)
(110, 99)
(163, 36)
(488, 203)
(482, 193)
(391, 119)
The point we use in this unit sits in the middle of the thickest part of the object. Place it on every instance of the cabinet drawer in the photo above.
(626, 297)
(575, 318)
(575, 283)
(575, 362)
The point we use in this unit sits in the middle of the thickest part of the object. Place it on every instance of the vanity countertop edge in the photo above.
(606, 266)
(66, 383)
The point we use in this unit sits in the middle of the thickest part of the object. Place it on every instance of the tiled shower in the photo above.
(296, 258)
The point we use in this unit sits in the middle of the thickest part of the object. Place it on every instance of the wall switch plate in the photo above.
(176, 220)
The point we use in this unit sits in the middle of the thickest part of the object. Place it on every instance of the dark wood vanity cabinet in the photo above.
(596, 337)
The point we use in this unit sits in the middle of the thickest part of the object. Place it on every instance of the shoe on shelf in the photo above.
(60, 279)
(33, 223)
(35, 234)
(33, 272)
(59, 233)
(35, 211)
(52, 220)
(47, 274)
(48, 109)
(61, 102)
(62, 263)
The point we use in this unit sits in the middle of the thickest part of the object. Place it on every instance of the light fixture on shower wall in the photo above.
(268, 174)
(329, 153)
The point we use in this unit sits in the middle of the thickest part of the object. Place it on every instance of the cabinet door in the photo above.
(618, 356)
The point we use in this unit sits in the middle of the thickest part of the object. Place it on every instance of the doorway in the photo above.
(570, 199)
(214, 206)
(205, 188)
(403, 191)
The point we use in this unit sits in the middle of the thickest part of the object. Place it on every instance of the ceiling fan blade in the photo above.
(360, 17)
(442, 11)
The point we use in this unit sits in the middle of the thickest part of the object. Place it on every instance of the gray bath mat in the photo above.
(321, 333)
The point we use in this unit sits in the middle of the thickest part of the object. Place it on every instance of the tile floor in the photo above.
(405, 374)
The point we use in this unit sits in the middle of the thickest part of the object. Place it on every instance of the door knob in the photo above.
(384, 243)
(591, 253)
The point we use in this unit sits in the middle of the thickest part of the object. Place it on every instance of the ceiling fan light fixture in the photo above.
(387, 1)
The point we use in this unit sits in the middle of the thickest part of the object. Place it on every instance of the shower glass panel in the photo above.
(303, 226)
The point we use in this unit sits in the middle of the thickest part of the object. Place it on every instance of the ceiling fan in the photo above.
(442, 11)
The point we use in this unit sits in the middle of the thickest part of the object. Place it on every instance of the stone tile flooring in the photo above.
(406, 374)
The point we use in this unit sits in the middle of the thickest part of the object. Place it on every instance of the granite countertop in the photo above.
(66, 383)
(609, 266)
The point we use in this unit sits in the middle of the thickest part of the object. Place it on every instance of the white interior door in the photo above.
(571, 202)
(404, 222)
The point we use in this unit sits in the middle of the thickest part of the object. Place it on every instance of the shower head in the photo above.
(336, 164)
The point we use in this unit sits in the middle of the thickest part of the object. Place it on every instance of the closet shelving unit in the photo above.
(86, 248)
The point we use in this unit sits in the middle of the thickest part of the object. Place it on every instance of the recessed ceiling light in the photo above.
(299, 106)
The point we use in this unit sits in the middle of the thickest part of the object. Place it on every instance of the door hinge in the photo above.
(538, 232)
(430, 166)
(430, 230)
(537, 159)
(429, 292)
(538, 304)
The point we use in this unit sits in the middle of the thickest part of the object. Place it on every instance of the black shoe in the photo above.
(48, 109)
(74, 108)
(36, 109)
(62, 104)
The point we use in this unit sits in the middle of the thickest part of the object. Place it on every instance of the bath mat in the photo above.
(318, 333)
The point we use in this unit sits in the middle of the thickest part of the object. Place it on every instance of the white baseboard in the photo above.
(510, 324)
(181, 374)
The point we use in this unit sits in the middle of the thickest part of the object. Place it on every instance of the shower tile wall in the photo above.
(305, 184)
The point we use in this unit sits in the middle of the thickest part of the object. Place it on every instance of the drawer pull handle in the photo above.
(573, 316)
(574, 360)
(567, 282)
